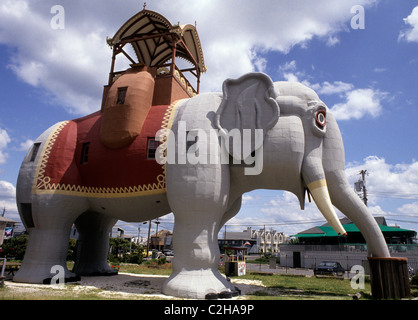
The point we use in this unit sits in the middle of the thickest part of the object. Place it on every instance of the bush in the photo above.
(135, 257)
(14, 248)
(71, 255)
(414, 280)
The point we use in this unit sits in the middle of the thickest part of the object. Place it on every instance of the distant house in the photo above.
(161, 241)
(6, 228)
(320, 243)
(257, 241)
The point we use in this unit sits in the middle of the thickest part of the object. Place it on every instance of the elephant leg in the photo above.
(195, 265)
(93, 244)
(47, 249)
(198, 205)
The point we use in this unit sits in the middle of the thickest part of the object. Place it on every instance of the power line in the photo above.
(276, 223)
(406, 221)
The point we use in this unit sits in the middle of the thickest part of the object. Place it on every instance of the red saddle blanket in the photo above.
(65, 166)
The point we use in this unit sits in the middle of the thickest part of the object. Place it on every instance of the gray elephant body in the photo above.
(298, 152)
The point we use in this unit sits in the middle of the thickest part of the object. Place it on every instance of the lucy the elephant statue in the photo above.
(213, 148)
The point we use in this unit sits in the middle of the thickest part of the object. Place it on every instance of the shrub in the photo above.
(414, 280)
(14, 248)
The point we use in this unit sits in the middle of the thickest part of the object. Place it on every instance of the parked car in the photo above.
(169, 253)
(330, 268)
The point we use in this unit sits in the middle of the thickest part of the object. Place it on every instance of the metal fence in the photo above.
(352, 247)
(348, 255)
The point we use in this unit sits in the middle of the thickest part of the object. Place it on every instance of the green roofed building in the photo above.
(321, 243)
(326, 235)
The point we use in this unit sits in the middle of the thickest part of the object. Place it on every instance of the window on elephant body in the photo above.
(151, 148)
(121, 95)
(26, 211)
(85, 153)
(35, 150)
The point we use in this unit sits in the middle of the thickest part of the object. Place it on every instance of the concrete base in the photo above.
(389, 278)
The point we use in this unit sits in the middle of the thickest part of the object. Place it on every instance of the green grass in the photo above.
(146, 268)
(300, 287)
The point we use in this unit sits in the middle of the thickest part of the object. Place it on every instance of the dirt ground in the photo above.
(121, 286)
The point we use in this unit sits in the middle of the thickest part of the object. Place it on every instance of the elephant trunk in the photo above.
(346, 200)
(343, 196)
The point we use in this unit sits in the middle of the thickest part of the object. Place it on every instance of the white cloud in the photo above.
(411, 33)
(290, 73)
(285, 209)
(71, 65)
(7, 190)
(26, 145)
(359, 103)
(334, 88)
(246, 198)
(409, 209)
(332, 41)
(4, 140)
(385, 179)
(8, 200)
(380, 69)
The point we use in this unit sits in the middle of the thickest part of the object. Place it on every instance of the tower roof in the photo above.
(151, 36)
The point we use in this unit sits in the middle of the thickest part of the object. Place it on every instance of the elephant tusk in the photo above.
(319, 191)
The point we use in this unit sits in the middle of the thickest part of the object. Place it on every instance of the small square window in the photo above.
(152, 148)
(121, 95)
(85, 152)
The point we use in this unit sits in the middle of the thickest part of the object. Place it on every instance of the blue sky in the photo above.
(367, 77)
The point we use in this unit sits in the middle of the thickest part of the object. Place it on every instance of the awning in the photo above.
(151, 36)
(328, 231)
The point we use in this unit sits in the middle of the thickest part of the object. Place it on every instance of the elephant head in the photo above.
(255, 102)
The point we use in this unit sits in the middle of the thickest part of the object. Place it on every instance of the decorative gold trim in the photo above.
(42, 184)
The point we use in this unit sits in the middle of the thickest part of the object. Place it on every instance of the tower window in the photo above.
(121, 95)
(85, 152)
(35, 150)
(152, 148)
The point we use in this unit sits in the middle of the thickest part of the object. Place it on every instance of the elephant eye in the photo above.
(320, 118)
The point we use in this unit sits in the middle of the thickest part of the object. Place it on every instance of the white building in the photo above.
(261, 240)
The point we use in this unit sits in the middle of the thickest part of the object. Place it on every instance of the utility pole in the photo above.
(360, 186)
(149, 233)
(363, 174)
(156, 235)
(4, 211)
(264, 245)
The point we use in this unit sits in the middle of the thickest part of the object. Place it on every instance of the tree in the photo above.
(15, 247)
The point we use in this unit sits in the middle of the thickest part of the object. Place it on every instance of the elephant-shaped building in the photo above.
(158, 146)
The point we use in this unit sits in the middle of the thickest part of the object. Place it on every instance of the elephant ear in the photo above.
(248, 109)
